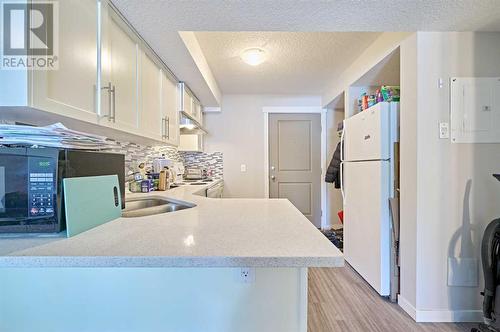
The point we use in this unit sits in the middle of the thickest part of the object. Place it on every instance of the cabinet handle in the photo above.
(111, 101)
(167, 127)
(113, 92)
(163, 131)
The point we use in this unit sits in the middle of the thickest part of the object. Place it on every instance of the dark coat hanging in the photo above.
(333, 171)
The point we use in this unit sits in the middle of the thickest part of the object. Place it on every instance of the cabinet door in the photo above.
(119, 71)
(169, 107)
(191, 142)
(196, 110)
(187, 102)
(151, 123)
(71, 90)
(199, 109)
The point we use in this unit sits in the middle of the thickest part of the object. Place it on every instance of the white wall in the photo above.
(333, 196)
(192, 45)
(444, 227)
(408, 170)
(238, 132)
(13, 91)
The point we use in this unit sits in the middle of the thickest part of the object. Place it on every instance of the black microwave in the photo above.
(31, 184)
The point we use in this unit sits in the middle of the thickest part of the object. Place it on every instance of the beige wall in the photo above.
(238, 132)
(376, 52)
(445, 227)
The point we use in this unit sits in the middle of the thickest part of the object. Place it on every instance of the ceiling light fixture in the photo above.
(253, 56)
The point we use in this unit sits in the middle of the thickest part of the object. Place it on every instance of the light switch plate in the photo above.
(243, 168)
(444, 130)
(463, 272)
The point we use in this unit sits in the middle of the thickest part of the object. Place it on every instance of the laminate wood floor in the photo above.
(340, 300)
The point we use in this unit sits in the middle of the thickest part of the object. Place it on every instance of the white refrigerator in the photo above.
(367, 172)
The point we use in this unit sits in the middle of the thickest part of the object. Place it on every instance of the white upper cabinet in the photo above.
(150, 122)
(191, 143)
(196, 110)
(189, 104)
(119, 81)
(187, 100)
(108, 76)
(71, 90)
(169, 108)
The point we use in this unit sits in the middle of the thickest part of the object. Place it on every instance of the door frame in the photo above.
(301, 110)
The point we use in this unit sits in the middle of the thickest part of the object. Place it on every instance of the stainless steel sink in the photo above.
(140, 207)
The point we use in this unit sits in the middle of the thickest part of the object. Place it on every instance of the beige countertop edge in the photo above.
(166, 262)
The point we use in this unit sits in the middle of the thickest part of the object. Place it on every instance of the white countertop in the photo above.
(225, 232)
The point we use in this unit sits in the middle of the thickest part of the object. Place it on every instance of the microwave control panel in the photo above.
(42, 186)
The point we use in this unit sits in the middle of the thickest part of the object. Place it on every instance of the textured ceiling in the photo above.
(298, 62)
(158, 21)
(316, 15)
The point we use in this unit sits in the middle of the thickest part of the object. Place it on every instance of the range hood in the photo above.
(189, 126)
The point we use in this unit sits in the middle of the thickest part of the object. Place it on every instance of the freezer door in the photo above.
(367, 221)
(368, 134)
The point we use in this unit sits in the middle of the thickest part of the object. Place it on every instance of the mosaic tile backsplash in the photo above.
(142, 153)
(135, 153)
(211, 161)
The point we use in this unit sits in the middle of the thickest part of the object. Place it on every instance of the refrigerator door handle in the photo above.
(342, 182)
(342, 142)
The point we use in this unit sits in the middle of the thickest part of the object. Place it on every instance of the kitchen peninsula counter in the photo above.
(215, 233)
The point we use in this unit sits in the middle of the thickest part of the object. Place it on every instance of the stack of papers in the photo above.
(56, 135)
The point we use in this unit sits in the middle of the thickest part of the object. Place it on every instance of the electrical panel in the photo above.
(475, 109)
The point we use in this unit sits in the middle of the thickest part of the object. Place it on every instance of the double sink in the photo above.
(140, 207)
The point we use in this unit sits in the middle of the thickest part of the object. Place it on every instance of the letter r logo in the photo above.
(28, 29)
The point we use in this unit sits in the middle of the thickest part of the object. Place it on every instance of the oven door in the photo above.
(28, 190)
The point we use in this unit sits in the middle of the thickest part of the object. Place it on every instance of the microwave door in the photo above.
(13, 190)
(27, 190)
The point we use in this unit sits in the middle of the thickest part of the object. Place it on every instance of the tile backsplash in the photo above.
(211, 161)
(142, 153)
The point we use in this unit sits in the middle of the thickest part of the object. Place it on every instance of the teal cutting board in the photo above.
(90, 201)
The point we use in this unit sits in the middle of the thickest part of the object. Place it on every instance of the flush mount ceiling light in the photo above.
(253, 56)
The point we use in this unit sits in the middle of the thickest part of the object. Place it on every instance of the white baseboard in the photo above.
(407, 307)
(449, 316)
(440, 316)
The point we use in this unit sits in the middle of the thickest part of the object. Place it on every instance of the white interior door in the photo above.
(367, 221)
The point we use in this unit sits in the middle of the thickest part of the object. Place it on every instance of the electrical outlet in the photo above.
(444, 130)
(243, 167)
(247, 275)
